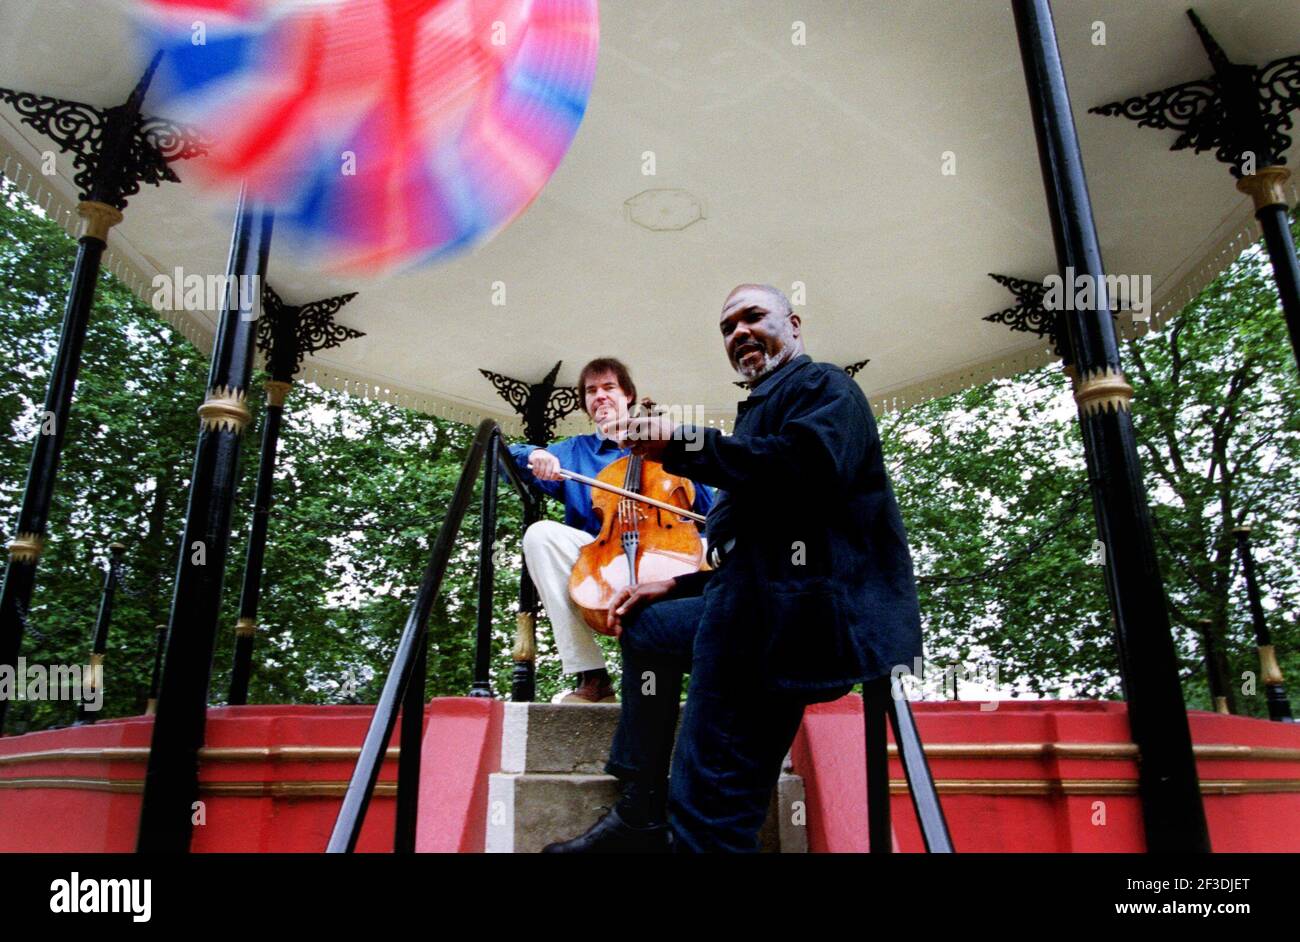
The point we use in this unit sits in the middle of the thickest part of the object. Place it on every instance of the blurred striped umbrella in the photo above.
(383, 132)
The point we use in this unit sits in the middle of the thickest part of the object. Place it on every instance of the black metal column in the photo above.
(285, 333)
(171, 781)
(1173, 816)
(1265, 188)
(29, 540)
(1216, 667)
(151, 707)
(114, 150)
(246, 627)
(1270, 674)
(523, 679)
(99, 643)
(482, 685)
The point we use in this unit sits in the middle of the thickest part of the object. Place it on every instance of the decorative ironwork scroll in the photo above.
(542, 405)
(1028, 313)
(1241, 112)
(114, 150)
(287, 333)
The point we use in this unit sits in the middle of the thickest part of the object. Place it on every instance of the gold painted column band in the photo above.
(1221, 706)
(1102, 391)
(1269, 671)
(525, 648)
(97, 219)
(224, 409)
(246, 627)
(26, 547)
(151, 707)
(1265, 186)
(276, 391)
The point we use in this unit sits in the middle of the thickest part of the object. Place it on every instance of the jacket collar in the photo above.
(772, 380)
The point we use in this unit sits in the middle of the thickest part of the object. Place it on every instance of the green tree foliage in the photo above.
(990, 480)
(360, 491)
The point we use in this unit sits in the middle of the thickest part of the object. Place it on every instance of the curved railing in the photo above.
(405, 683)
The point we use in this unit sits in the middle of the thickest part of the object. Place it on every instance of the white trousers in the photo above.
(551, 550)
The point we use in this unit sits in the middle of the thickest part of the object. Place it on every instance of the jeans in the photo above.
(734, 733)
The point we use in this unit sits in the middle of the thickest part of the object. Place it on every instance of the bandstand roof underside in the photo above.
(818, 163)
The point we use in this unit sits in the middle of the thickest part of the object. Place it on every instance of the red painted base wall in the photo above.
(271, 779)
(1029, 776)
(1048, 776)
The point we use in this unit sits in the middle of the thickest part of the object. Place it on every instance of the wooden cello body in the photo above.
(637, 542)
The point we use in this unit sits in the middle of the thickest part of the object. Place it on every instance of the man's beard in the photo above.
(766, 365)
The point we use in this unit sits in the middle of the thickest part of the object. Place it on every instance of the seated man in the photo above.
(551, 549)
(812, 592)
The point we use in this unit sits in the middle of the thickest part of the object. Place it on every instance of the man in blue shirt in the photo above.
(552, 548)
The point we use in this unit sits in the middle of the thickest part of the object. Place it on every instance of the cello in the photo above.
(647, 533)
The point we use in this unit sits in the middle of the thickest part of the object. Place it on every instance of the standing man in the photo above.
(550, 548)
(812, 592)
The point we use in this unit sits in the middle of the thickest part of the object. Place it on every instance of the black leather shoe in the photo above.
(612, 835)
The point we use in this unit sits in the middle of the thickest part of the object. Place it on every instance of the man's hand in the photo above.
(647, 436)
(630, 596)
(544, 465)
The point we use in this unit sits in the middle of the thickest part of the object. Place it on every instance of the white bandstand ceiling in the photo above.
(817, 163)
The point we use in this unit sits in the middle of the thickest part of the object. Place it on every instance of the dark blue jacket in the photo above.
(821, 568)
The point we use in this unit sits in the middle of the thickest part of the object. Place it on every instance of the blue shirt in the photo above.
(587, 455)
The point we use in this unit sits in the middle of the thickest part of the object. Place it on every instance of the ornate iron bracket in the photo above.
(1028, 313)
(1239, 111)
(542, 404)
(286, 333)
(114, 150)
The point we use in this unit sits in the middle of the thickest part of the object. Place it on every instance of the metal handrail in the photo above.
(405, 682)
(886, 697)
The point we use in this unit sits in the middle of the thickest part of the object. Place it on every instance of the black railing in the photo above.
(406, 678)
(886, 697)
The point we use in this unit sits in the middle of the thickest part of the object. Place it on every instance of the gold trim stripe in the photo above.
(1266, 186)
(246, 627)
(206, 754)
(1270, 674)
(221, 789)
(525, 646)
(26, 547)
(224, 409)
(276, 392)
(1100, 786)
(1020, 787)
(1103, 390)
(947, 750)
(97, 218)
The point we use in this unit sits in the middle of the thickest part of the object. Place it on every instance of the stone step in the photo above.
(527, 811)
(552, 784)
(557, 737)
